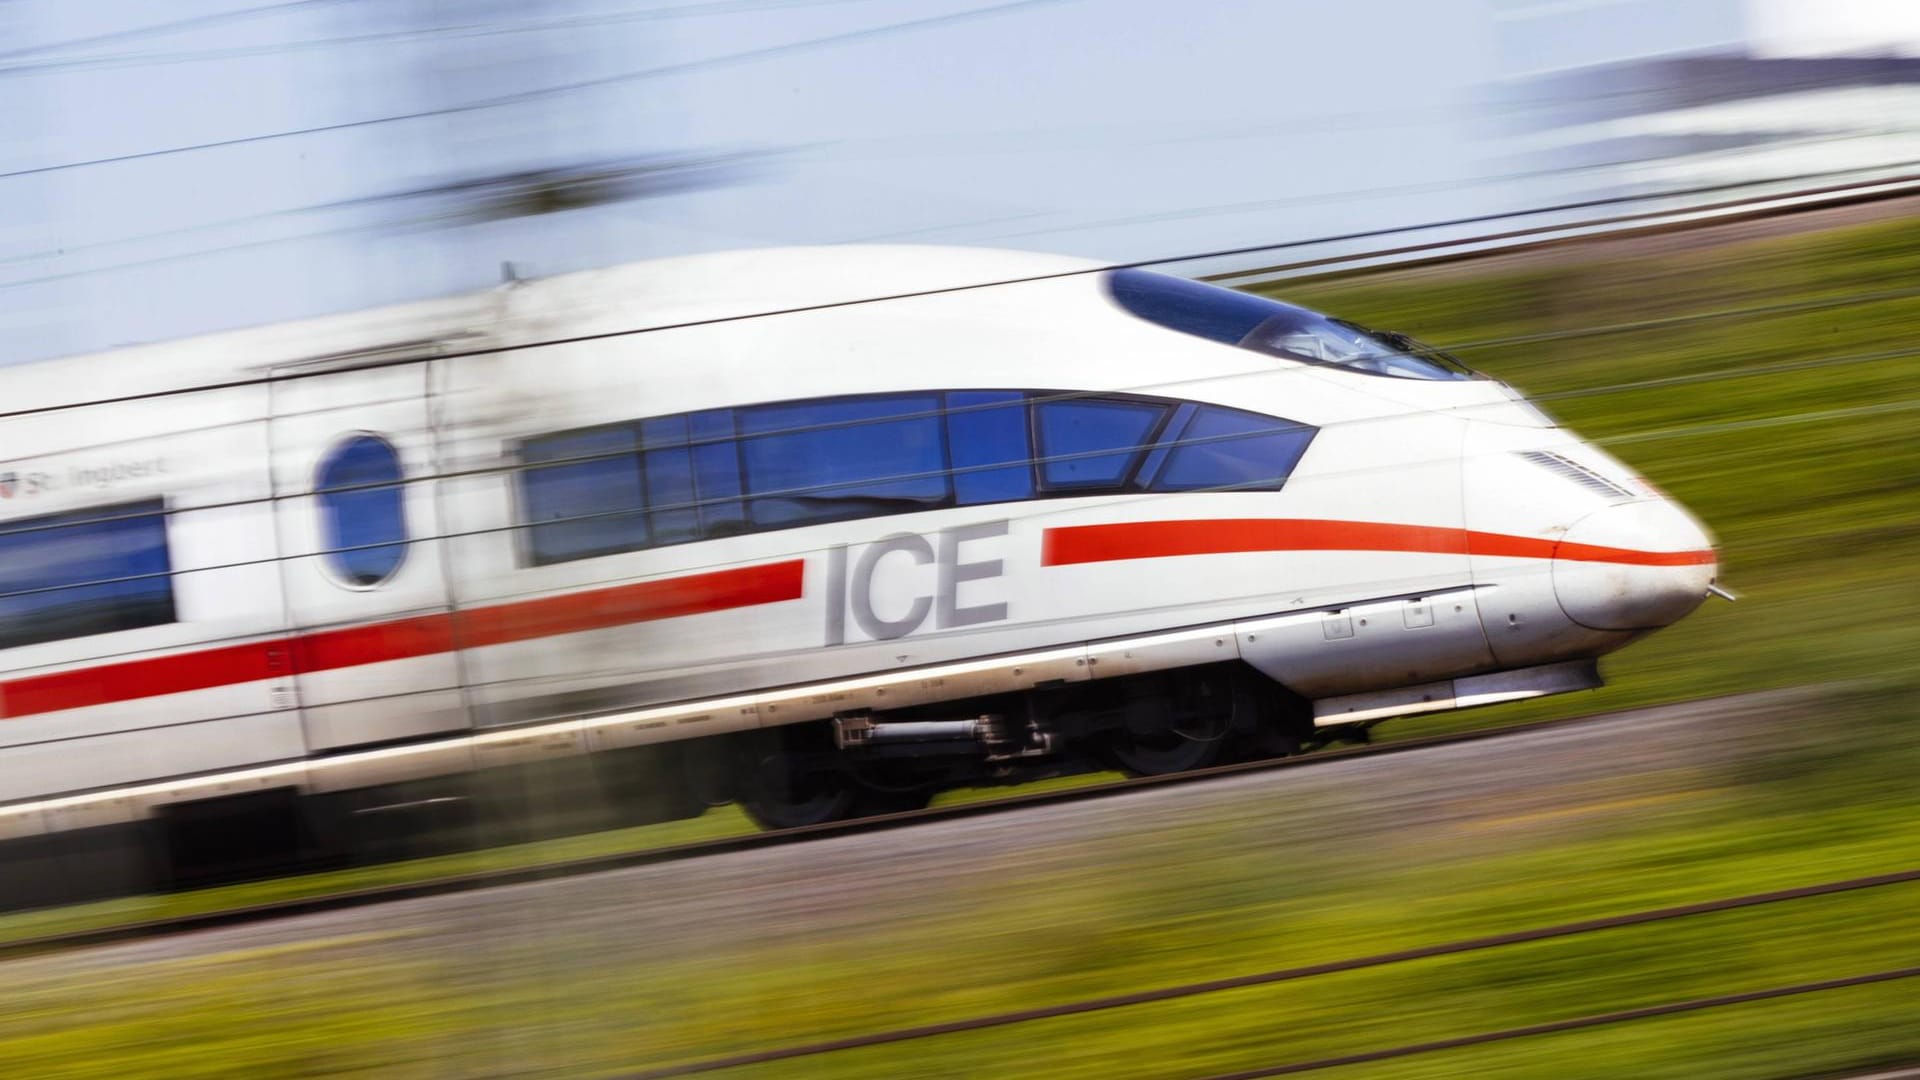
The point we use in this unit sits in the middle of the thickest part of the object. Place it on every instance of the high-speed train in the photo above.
(822, 530)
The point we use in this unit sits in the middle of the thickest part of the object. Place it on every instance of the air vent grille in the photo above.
(1570, 469)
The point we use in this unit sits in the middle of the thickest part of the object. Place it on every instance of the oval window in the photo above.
(363, 523)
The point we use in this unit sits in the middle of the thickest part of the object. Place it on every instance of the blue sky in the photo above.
(1118, 129)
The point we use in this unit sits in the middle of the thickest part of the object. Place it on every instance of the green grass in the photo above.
(716, 823)
(1277, 877)
(1819, 526)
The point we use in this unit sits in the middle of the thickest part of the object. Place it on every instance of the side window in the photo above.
(363, 525)
(813, 461)
(90, 572)
(589, 502)
(673, 515)
(1092, 443)
(723, 472)
(992, 451)
(716, 473)
(1210, 447)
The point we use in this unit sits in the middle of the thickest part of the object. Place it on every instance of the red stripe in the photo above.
(141, 678)
(400, 639)
(1218, 536)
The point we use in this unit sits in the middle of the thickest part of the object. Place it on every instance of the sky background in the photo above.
(1117, 129)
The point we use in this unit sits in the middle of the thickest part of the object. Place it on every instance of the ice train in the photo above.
(823, 530)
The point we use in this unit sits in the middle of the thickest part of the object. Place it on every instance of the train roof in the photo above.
(658, 292)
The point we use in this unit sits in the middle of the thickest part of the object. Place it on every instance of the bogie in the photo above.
(1156, 724)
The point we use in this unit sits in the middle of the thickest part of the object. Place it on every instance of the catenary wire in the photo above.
(1030, 398)
(1616, 328)
(992, 283)
(1875, 183)
(459, 30)
(69, 250)
(1042, 397)
(1683, 431)
(519, 97)
(1227, 209)
(1748, 371)
(1894, 183)
(1387, 191)
(161, 29)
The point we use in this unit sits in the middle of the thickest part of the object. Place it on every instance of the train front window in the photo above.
(1300, 334)
(1269, 326)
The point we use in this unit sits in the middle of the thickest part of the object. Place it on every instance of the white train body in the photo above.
(1434, 541)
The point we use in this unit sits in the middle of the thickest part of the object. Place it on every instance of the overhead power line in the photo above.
(1227, 252)
(1099, 269)
(705, 63)
(1684, 431)
(457, 30)
(196, 22)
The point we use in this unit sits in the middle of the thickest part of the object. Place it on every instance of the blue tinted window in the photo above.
(1192, 307)
(363, 525)
(1157, 457)
(988, 428)
(592, 504)
(723, 472)
(672, 515)
(1092, 443)
(1211, 447)
(716, 470)
(90, 572)
(674, 518)
(663, 431)
(1231, 317)
(831, 460)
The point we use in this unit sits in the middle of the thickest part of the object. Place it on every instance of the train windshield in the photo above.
(1269, 326)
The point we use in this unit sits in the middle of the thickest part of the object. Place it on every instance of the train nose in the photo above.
(1633, 566)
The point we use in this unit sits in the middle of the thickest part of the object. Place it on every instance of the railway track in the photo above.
(162, 927)
(1451, 948)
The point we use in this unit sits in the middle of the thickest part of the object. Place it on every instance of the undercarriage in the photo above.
(865, 763)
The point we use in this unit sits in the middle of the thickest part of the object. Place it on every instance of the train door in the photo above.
(354, 473)
(140, 608)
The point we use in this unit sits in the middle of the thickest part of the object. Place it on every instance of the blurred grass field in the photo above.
(1810, 478)
(1262, 877)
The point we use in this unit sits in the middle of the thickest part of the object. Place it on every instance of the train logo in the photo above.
(951, 570)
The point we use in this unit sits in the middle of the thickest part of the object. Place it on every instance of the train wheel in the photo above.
(1158, 753)
(1265, 744)
(780, 799)
(871, 803)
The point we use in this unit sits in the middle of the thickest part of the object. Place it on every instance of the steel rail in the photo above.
(1266, 978)
(367, 897)
(1576, 1023)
